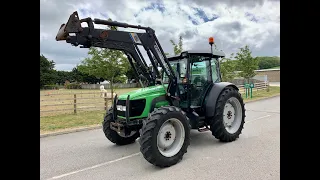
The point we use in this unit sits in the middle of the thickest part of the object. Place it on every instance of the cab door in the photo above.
(201, 79)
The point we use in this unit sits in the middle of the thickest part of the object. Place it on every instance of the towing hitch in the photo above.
(121, 129)
(118, 127)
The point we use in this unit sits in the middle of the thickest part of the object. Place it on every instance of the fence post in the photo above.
(75, 103)
(105, 101)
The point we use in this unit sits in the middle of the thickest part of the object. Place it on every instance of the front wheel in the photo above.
(112, 135)
(165, 136)
(229, 117)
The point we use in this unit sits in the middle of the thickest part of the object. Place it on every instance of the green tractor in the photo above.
(179, 93)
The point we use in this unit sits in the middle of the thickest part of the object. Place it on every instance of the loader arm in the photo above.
(72, 32)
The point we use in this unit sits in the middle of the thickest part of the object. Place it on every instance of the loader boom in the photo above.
(127, 42)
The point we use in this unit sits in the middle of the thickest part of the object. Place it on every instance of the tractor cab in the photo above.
(196, 71)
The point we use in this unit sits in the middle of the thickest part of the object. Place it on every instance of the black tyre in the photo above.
(112, 135)
(229, 117)
(165, 136)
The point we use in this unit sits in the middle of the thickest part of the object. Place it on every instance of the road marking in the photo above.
(93, 167)
(277, 112)
(259, 118)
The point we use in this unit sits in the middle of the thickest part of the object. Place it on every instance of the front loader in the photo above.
(190, 94)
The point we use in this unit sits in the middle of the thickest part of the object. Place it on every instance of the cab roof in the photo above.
(208, 52)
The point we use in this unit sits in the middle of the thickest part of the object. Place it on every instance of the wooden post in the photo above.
(75, 103)
(105, 101)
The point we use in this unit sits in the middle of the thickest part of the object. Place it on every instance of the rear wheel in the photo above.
(112, 135)
(229, 117)
(165, 136)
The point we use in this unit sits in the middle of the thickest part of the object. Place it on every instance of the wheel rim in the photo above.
(170, 137)
(232, 115)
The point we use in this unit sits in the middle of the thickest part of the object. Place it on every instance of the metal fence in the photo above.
(74, 102)
(257, 87)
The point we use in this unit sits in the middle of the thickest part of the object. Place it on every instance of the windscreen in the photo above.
(179, 67)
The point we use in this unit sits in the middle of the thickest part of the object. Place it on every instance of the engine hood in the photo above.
(145, 92)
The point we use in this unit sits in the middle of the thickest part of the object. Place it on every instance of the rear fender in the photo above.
(213, 95)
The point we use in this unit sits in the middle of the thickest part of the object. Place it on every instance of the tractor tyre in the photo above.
(112, 135)
(229, 118)
(165, 136)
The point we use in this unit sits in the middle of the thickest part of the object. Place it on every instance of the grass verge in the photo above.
(262, 94)
(70, 121)
(91, 118)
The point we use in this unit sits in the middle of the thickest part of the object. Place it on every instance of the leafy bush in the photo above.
(73, 86)
(268, 62)
(51, 86)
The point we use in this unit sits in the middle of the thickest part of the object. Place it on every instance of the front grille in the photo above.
(136, 107)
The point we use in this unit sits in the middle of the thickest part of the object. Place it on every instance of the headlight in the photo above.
(121, 108)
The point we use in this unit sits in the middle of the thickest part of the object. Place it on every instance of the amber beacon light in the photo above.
(211, 40)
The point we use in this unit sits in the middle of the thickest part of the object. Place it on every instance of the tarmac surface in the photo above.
(89, 155)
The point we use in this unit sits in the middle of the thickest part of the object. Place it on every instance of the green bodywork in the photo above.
(148, 93)
(152, 92)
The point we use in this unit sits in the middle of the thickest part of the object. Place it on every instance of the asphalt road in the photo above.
(89, 155)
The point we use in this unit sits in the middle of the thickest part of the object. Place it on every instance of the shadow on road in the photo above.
(198, 139)
(203, 139)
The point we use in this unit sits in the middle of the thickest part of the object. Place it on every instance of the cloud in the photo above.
(232, 23)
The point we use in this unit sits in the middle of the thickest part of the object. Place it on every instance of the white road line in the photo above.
(277, 112)
(259, 118)
(95, 166)
(120, 159)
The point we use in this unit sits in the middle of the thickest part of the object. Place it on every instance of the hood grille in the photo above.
(136, 107)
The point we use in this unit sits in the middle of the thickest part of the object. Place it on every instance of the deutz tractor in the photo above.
(178, 93)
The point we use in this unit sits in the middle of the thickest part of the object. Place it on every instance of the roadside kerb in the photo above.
(70, 131)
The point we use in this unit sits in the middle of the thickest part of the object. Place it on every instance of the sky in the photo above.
(232, 23)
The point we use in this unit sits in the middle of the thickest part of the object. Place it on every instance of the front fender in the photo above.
(213, 95)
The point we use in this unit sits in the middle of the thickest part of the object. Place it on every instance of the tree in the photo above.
(76, 75)
(47, 73)
(246, 63)
(108, 64)
(227, 69)
(266, 62)
(130, 73)
(177, 48)
(62, 76)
